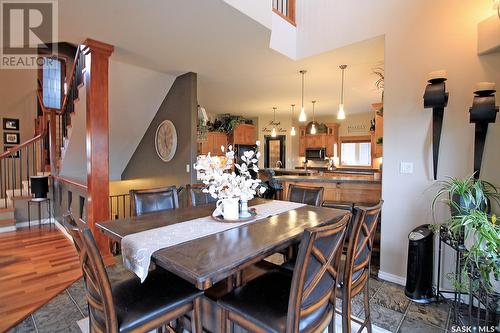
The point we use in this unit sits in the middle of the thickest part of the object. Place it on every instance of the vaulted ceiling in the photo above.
(238, 72)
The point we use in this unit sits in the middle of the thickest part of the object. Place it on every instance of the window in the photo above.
(356, 152)
(52, 78)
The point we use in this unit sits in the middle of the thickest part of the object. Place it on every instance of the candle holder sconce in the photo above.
(436, 97)
(482, 112)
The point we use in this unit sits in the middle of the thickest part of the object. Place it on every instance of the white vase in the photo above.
(244, 213)
(230, 208)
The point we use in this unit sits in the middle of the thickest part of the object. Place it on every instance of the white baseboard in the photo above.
(392, 278)
(8, 229)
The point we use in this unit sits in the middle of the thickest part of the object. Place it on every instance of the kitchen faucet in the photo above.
(279, 165)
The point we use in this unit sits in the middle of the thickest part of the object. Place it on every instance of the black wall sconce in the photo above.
(482, 112)
(436, 97)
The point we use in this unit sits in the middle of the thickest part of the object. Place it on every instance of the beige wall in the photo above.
(412, 51)
(18, 99)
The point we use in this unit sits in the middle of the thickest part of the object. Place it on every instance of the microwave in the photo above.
(315, 153)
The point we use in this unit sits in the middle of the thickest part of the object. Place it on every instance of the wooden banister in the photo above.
(14, 149)
(69, 181)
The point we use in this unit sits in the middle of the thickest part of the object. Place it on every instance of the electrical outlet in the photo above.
(187, 168)
(406, 167)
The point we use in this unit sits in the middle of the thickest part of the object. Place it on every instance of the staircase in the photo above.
(42, 154)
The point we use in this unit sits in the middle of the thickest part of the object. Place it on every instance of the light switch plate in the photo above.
(187, 168)
(406, 167)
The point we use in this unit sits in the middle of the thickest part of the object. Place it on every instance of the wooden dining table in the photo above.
(207, 260)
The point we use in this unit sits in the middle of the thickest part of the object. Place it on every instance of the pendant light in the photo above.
(341, 112)
(273, 132)
(313, 126)
(292, 131)
(302, 116)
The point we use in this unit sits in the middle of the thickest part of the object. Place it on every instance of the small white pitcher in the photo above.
(229, 208)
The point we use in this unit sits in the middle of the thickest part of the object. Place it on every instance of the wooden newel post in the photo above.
(96, 82)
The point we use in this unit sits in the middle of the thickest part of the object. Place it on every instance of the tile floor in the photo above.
(390, 309)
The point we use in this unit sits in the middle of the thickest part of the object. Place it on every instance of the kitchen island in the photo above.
(358, 188)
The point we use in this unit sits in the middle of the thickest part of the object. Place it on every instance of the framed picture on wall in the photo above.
(15, 155)
(10, 138)
(11, 124)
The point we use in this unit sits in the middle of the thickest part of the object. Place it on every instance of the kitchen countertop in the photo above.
(327, 179)
(294, 171)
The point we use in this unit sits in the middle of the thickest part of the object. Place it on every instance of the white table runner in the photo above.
(137, 248)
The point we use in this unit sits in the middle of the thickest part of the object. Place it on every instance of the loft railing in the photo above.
(285, 9)
(63, 117)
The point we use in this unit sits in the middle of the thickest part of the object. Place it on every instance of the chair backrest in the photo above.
(308, 195)
(272, 182)
(102, 311)
(153, 200)
(197, 197)
(72, 228)
(98, 289)
(314, 282)
(359, 248)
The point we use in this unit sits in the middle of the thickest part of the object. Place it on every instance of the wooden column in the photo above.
(96, 82)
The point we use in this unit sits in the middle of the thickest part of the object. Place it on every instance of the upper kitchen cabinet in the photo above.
(212, 144)
(244, 134)
(321, 140)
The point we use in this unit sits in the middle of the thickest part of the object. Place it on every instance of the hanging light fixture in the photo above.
(292, 131)
(313, 126)
(273, 132)
(302, 116)
(341, 112)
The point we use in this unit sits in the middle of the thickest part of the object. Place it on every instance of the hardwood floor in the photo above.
(35, 265)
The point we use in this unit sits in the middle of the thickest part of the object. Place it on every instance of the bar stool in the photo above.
(39, 186)
(39, 202)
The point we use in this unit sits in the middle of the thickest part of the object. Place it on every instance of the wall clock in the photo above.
(166, 140)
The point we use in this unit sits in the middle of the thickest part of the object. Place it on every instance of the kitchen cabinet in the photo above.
(244, 134)
(212, 144)
(324, 140)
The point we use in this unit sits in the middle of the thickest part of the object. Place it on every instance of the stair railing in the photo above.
(20, 162)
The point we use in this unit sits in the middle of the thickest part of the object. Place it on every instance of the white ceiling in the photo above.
(238, 72)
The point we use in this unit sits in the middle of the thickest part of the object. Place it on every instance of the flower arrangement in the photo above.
(225, 179)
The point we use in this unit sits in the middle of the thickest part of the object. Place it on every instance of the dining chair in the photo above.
(153, 200)
(355, 268)
(197, 197)
(298, 301)
(309, 195)
(129, 305)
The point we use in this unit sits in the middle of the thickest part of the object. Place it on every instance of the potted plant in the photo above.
(482, 242)
(463, 195)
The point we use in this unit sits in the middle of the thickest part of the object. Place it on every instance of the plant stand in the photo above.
(483, 307)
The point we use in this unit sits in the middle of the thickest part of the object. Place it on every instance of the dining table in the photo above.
(207, 260)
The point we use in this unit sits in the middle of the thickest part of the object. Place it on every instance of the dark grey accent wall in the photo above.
(179, 106)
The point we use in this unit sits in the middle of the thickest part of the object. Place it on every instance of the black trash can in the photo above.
(420, 265)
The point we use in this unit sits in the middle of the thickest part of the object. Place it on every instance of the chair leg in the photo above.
(331, 327)
(366, 298)
(223, 321)
(196, 326)
(346, 311)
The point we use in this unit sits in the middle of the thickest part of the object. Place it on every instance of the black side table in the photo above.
(39, 202)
